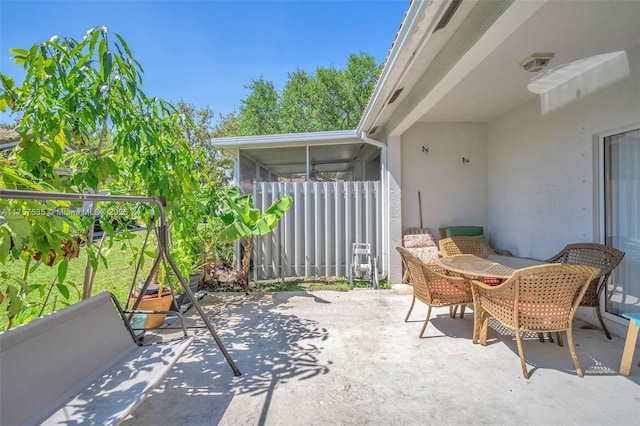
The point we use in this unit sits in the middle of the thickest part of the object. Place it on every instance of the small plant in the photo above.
(243, 220)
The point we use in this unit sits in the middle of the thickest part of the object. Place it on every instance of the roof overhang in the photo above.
(417, 20)
(336, 137)
(472, 71)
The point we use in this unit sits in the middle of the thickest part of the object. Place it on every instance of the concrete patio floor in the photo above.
(334, 358)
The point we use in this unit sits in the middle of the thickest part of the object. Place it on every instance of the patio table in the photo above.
(493, 266)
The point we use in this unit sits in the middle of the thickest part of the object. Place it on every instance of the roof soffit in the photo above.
(578, 34)
(475, 24)
(416, 58)
(487, 81)
(420, 20)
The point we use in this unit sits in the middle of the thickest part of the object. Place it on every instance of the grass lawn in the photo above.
(117, 278)
(311, 284)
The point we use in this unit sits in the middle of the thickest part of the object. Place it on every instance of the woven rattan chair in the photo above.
(539, 299)
(604, 257)
(465, 245)
(432, 287)
(469, 231)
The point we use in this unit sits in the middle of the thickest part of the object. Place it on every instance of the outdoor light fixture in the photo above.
(536, 62)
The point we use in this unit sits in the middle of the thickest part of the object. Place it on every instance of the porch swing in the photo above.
(85, 360)
(163, 256)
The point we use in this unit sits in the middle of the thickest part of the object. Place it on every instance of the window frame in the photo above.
(600, 200)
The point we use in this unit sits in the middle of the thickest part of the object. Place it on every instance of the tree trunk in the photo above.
(209, 265)
(89, 273)
(246, 263)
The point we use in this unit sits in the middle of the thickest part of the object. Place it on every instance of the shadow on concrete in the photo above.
(590, 345)
(268, 345)
(305, 361)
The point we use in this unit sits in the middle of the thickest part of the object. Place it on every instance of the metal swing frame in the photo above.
(163, 246)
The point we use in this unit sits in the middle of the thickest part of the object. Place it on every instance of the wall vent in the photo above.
(395, 95)
(448, 15)
(536, 62)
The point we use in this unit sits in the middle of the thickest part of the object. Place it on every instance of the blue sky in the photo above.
(205, 51)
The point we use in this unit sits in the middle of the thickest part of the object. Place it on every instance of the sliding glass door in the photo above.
(622, 218)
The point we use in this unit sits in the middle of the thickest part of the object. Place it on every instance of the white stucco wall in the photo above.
(452, 192)
(542, 179)
(544, 170)
(393, 162)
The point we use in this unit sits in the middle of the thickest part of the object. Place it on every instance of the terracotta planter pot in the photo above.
(154, 303)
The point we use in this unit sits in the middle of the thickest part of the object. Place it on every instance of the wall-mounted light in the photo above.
(465, 160)
(425, 150)
(536, 61)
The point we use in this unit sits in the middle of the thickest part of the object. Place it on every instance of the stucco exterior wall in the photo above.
(394, 212)
(542, 167)
(543, 171)
(452, 192)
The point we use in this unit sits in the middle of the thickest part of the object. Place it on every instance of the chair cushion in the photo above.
(492, 281)
(465, 231)
(485, 280)
(418, 240)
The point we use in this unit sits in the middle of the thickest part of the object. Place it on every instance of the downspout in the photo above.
(384, 256)
(236, 178)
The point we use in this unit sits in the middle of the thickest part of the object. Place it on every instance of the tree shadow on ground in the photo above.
(269, 346)
(592, 347)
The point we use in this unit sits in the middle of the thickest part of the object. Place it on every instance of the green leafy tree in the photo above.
(217, 172)
(218, 168)
(328, 99)
(360, 78)
(86, 94)
(299, 101)
(226, 125)
(260, 110)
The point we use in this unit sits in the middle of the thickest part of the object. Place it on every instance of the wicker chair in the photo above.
(469, 231)
(465, 245)
(604, 257)
(433, 288)
(538, 299)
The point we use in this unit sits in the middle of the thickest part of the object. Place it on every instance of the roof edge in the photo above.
(288, 139)
(410, 24)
